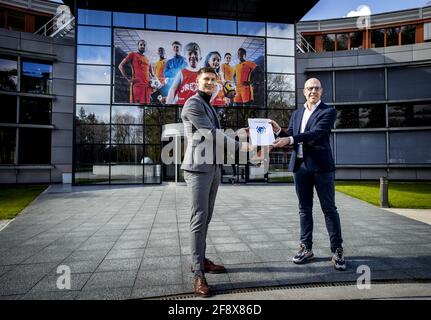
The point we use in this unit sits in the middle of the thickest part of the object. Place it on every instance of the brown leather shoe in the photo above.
(211, 267)
(201, 287)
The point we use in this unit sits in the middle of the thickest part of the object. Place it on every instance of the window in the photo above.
(280, 82)
(280, 30)
(392, 36)
(361, 148)
(356, 39)
(126, 134)
(93, 94)
(401, 151)
(377, 38)
(325, 79)
(161, 22)
(127, 115)
(192, 24)
(15, 20)
(35, 111)
(410, 115)
(309, 40)
(281, 64)
(328, 42)
(342, 41)
(281, 100)
(36, 77)
(7, 145)
(34, 146)
(222, 26)
(94, 35)
(93, 74)
(132, 20)
(95, 114)
(8, 73)
(94, 55)
(408, 34)
(8, 109)
(409, 82)
(280, 47)
(370, 116)
(94, 17)
(251, 28)
(360, 85)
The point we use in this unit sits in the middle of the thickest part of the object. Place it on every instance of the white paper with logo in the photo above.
(261, 133)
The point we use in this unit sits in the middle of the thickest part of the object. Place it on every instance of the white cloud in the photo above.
(362, 10)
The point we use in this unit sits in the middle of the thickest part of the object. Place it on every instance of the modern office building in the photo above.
(69, 109)
(376, 71)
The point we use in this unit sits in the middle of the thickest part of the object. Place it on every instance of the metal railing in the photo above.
(302, 45)
(52, 29)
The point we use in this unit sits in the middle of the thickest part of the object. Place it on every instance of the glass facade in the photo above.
(25, 117)
(119, 141)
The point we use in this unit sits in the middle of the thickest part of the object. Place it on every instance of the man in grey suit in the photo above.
(202, 172)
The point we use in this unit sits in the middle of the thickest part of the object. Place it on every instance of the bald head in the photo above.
(312, 91)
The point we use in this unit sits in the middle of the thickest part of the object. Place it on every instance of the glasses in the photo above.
(313, 88)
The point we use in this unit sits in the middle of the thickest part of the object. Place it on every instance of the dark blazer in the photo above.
(315, 138)
(202, 135)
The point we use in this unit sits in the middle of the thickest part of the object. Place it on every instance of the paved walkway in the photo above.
(132, 242)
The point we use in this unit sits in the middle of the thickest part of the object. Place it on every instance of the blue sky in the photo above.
(328, 9)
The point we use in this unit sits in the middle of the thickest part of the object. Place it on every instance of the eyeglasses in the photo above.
(313, 88)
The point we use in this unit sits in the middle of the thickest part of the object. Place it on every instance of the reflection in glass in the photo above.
(35, 111)
(36, 77)
(126, 134)
(92, 114)
(94, 35)
(279, 172)
(160, 116)
(221, 26)
(360, 85)
(152, 134)
(328, 42)
(361, 148)
(94, 55)
(244, 114)
(152, 173)
(8, 109)
(192, 24)
(93, 74)
(34, 146)
(152, 154)
(7, 145)
(356, 39)
(281, 100)
(280, 82)
(392, 36)
(401, 150)
(282, 117)
(410, 115)
(161, 22)
(132, 20)
(92, 164)
(8, 73)
(280, 30)
(228, 118)
(251, 28)
(281, 64)
(93, 94)
(350, 117)
(127, 164)
(342, 41)
(127, 115)
(408, 34)
(377, 38)
(95, 17)
(280, 47)
(92, 134)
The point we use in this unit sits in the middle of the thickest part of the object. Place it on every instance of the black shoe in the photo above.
(338, 260)
(303, 255)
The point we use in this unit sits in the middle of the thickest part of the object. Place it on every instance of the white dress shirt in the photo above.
(307, 114)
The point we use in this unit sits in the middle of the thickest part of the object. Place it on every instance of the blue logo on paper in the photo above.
(260, 130)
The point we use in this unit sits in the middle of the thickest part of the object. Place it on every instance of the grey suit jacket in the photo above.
(205, 144)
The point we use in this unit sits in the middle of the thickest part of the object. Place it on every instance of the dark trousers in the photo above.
(305, 180)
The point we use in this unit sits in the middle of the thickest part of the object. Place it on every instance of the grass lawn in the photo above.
(414, 195)
(15, 198)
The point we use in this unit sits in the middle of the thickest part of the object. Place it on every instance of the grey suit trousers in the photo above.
(202, 188)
